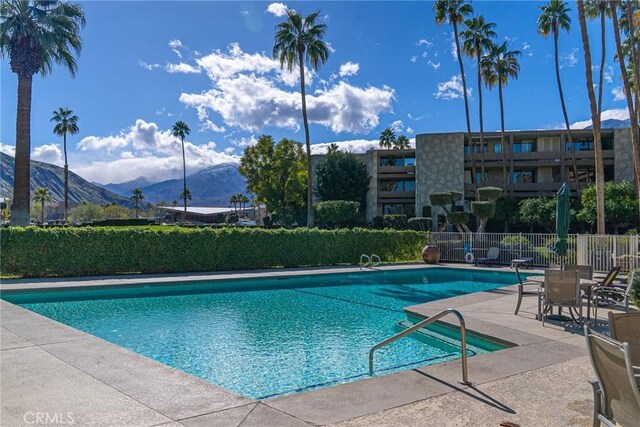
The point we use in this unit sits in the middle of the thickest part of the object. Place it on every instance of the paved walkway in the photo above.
(47, 368)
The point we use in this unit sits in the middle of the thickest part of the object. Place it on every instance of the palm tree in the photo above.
(498, 65)
(387, 138)
(629, 93)
(599, 9)
(181, 130)
(402, 143)
(333, 148)
(35, 35)
(66, 123)
(137, 197)
(595, 119)
(453, 12)
(298, 39)
(555, 17)
(185, 195)
(233, 200)
(41, 195)
(476, 39)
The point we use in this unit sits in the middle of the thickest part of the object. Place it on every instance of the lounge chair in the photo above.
(561, 289)
(625, 327)
(601, 298)
(613, 294)
(616, 398)
(521, 290)
(493, 255)
(584, 271)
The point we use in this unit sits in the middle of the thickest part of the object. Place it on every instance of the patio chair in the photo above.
(561, 289)
(493, 255)
(625, 327)
(584, 271)
(614, 294)
(601, 298)
(616, 398)
(521, 291)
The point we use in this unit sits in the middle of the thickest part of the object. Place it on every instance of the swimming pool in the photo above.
(268, 337)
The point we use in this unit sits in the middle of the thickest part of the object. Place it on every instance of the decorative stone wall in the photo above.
(439, 167)
(623, 155)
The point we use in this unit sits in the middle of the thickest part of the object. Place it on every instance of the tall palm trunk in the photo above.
(184, 181)
(603, 42)
(20, 212)
(483, 180)
(466, 104)
(307, 139)
(595, 119)
(42, 212)
(504, 148)
(66, 177)
(635, 59)
(564, 113)
(633, 117)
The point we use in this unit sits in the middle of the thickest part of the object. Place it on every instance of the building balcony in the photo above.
(399, 195)
(540, 158)
(532, 189)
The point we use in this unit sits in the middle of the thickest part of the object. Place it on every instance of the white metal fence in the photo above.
(601, 251)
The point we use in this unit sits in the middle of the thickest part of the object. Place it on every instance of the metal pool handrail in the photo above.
(365, 264)
(422, 324)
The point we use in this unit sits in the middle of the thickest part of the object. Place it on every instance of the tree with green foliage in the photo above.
(507, 215)
(85, 212)
(277, 175)
(180, 130)
(185, 196)
(342, 176)
(539, 212)
(387, 138)
(498, 66)
(477, 39)
(137, 197)
(41, 195)
(114, 211)
(35, 35)
(447, 202)
(298, 40)
(66, 123)
(553, 18)
(402, 143)
(620, 206)
(485, 207)
(337, 213)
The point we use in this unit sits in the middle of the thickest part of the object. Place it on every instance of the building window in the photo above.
(587, 144)
(497, 147)
(524, 146)
(396, 186)
(409, 161)
(398, 209)
(397, 161)
(523, 177)
(477, 147)
(589, 174)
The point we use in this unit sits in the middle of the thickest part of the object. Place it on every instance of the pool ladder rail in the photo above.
(372, 261)
(422, 324)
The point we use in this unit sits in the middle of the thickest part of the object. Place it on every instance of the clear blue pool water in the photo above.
(268, 337)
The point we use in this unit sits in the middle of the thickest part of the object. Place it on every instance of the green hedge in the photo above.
(82, 251)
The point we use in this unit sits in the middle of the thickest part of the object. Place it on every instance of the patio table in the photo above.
(585, 284)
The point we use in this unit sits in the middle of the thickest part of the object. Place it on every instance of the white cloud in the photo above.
(182, 68)
(616, 114)
(349, 69)
(229, 150)
(608, 74)
(244, 13)
(434, 65)
(397, 126)
(8, 149)
(148, 66)
(618, 94)
(175, 45)
(357, 146)
(209, 125)
(48, 153)
(409, 115)
(277, 9)
(424, 42)
(414, 58)
(245, 141)
(410, 130)
(151, 152)
(451, 89)
(570, 59)
(526, 49)
(247, 93)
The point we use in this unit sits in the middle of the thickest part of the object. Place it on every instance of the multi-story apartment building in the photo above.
(532, 163)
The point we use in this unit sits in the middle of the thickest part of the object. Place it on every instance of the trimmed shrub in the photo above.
(337, 213)
(121, 222)
(84, 251)
(395, 221)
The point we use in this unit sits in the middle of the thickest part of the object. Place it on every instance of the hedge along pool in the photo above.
(267, 337)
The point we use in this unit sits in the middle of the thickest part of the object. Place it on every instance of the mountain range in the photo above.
(52, 177)
(212, 186)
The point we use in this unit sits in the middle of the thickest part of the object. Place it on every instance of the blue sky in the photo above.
(145, 65)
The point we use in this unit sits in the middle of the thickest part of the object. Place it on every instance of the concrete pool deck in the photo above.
(51, 369)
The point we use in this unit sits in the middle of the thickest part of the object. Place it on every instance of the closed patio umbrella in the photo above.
(563, 215)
